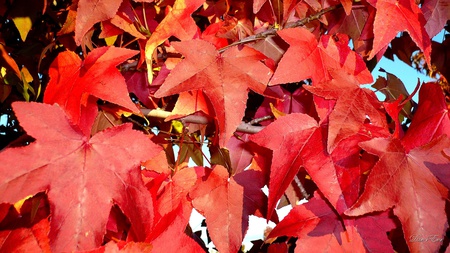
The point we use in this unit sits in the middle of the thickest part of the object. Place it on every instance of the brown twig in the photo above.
(129, 66)
(302, 189)
(258, 36)
(197, 119)
(273, 31)
(259, 120)
(313, 17)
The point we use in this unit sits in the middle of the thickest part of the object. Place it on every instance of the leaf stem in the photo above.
(145, 16)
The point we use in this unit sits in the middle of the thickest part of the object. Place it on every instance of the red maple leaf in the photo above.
(224, 78)
(137, 83)
(190, 102)
(307, 148)
(122, 247)
(82, 176)
(394, 16)
(26, 239)
(214, 10)
(431, 119)
(91, 12)
(124, 20)
(317, 227)
(436, 12)
(178, 22)
(4, 208)
(354, 106)
(312, 59)
(239, 153)
(226, 224)
(403, 181)
(73, 82)
(353, 24)
(174, 206)
(211, 34)
(171, 229)
(255, 200)
(351, 166)
(174, 193)
(299, 101)
(393, 88)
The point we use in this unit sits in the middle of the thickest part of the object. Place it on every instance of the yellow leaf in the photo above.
(23, 24)
(69, 25)
(110, 40)
(19, 203)
(178, 126)
(26, 75)
(276, 113)
(25, 86)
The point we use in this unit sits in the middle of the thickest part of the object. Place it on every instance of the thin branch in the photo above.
(197, 119)
(108, 119)
(301, 187)
(185, 142)
(129, 65)
(259, 120)
(273, 31)
(258, 36)
(247, 128)
(156, 113)
(313, 17)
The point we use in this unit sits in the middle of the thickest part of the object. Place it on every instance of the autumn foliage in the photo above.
(119, 118)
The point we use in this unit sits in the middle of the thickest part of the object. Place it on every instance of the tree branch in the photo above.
(258, 36)
(273, 31)
(302, 189)
(259, 120)
(313, 17)
(197, 119)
